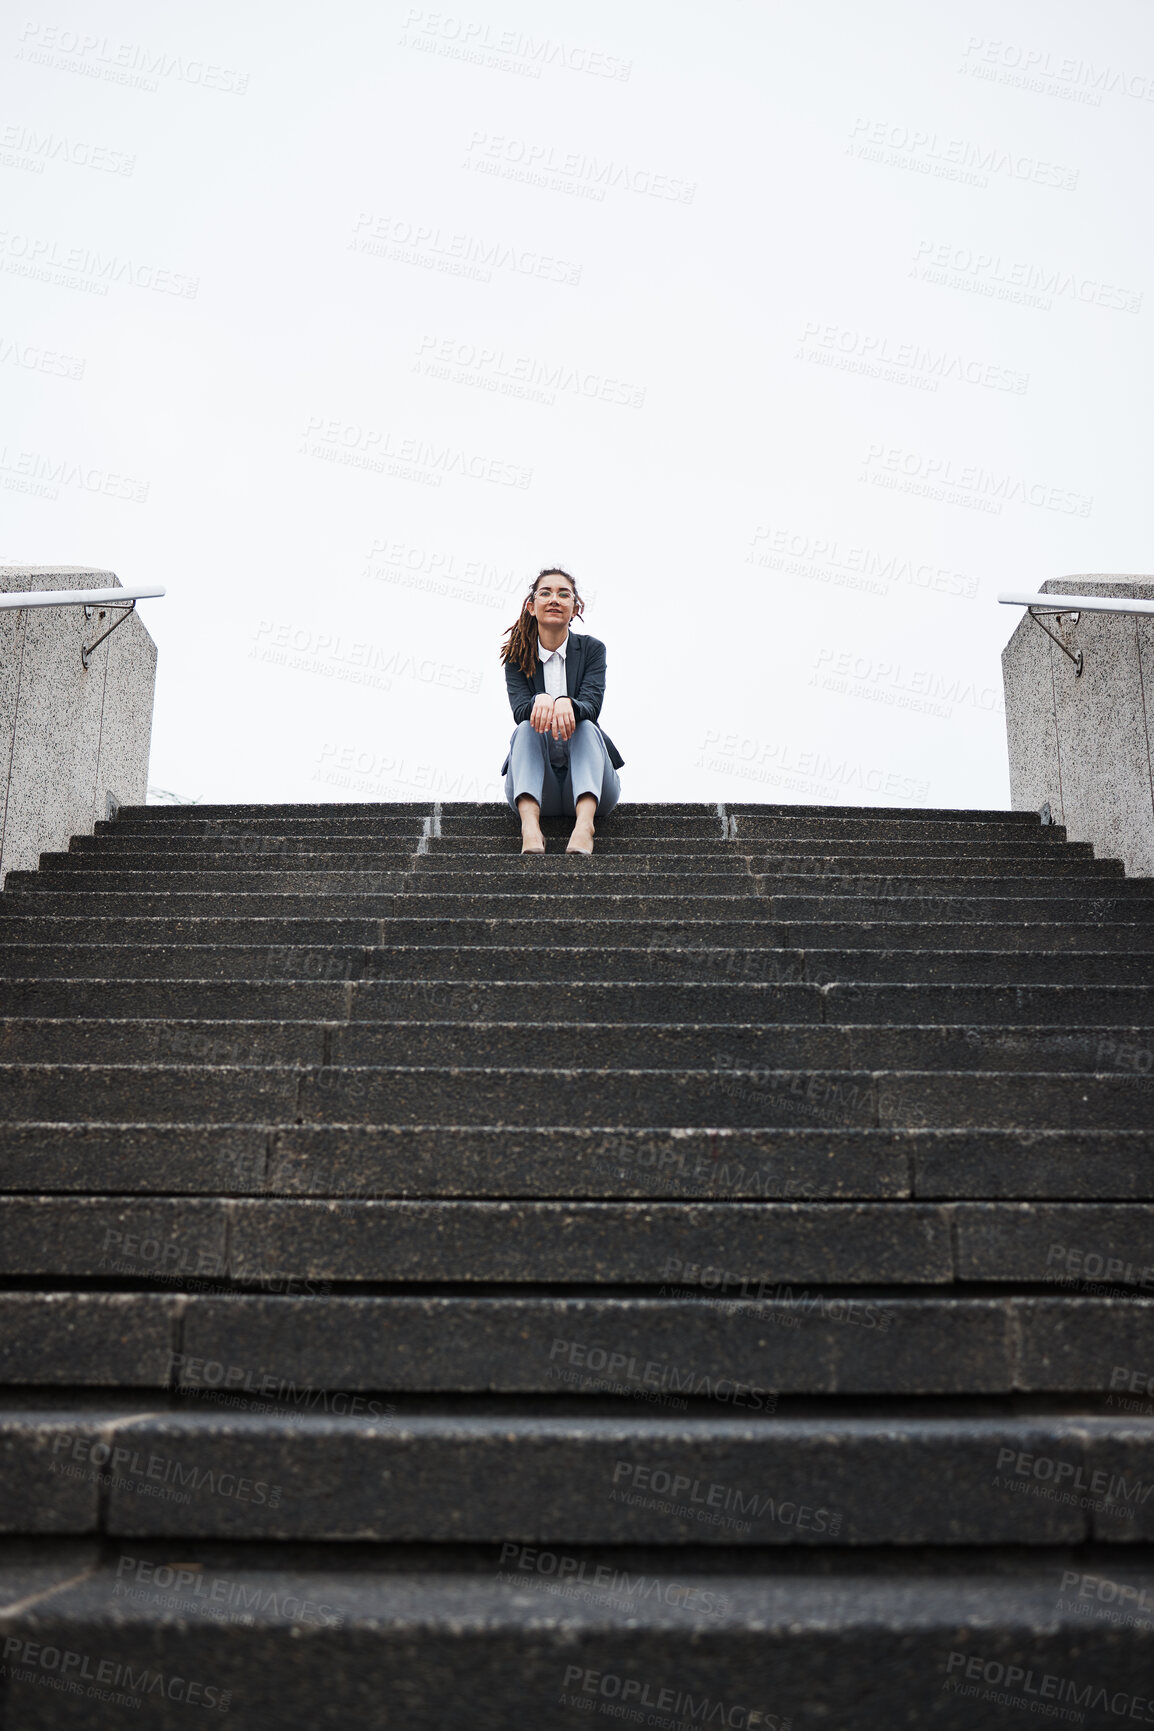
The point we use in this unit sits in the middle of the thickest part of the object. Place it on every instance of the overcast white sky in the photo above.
(794, 331)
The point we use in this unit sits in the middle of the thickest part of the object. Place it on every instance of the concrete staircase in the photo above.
(711, 1283)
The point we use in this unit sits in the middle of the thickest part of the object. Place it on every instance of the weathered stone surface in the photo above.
(638, 1243)
(557, 1161)
(118, 1340)
(1076, 1247)
(435, 1248)
(69, 736)
(799, 1339)
(1078, 1342)
(174, 1092)
(1057, 720)
(1000, 1164)
(207, 1159)
(483, 1638)
(531, 1478)
(150, 1239)
(56, 1459)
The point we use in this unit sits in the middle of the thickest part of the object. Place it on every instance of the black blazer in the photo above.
(584, 683)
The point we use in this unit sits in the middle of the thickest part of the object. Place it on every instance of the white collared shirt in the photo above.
(553, 667)
(553, 670)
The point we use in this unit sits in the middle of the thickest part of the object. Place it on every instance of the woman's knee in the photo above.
(524, 736)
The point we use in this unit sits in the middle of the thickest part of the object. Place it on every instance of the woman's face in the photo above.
(553, 600)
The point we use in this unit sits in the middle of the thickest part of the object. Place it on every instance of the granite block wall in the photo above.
(1082, 746)
(72, 740)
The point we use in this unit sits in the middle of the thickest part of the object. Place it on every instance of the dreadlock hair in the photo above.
(521, 647)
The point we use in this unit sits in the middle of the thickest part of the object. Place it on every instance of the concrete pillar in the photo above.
(1082, 746)
(73, 742)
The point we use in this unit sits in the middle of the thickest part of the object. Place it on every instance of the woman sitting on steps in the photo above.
(560, 764)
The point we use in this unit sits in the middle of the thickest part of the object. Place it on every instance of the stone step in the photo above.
(587, 1045)
(284, 1352)
(787, 1162)
(767, 1005)
(653, 826)
(573, 967)
(294, 1243)
(462, 912)
(87, 874)
(706, 1097)
(702, 855)
(799, 1198)
(168, 815)
(624, 852)
(493, 1637)
(511, 875)
(1132, 934)
(864, 1473)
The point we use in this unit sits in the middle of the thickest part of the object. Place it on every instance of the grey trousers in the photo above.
(589, 771)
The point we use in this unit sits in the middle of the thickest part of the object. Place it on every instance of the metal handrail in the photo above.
(1074, 605)
(90, 599)
(79, 597)
(1078, 603)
